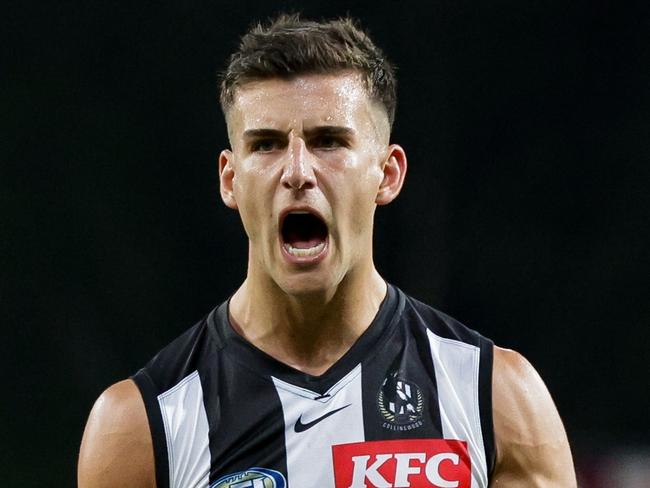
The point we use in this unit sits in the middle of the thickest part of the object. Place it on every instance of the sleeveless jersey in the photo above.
(409, 405)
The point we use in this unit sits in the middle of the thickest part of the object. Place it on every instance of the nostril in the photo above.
(298, 176)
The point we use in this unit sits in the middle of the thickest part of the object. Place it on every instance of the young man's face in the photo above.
(306, 171)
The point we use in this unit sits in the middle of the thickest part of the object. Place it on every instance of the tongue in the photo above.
(294, 239)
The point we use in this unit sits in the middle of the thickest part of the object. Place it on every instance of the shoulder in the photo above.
(182, 356)
(420, 314)
(531, 444)
(116, 449)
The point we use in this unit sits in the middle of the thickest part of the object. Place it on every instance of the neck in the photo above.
(308, 332)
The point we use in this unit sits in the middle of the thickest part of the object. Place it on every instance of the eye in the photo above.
(264, 145)
(328, 142)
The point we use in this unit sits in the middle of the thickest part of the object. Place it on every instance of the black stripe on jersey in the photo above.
(245, 418)
(410, 361)
(149, 394)
(485, 402)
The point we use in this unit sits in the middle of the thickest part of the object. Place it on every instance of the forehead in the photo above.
(307, 100)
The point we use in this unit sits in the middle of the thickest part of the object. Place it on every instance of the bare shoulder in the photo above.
(116, 450)
(532, 446)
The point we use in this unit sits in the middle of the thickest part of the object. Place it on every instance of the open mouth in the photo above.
(303, 234)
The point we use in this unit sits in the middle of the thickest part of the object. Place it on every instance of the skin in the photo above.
(116, 449)
(532, 446)
(319, 142)
(328, 151)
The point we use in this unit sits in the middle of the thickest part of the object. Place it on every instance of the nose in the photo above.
(298, 172)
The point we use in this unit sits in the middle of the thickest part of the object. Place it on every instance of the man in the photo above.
(316, 372)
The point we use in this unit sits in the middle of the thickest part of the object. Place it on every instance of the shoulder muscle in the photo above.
(116, 450)
(532, 446)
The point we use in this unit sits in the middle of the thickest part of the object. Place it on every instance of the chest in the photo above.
(408, 417)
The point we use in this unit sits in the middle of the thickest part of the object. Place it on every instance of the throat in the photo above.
(304, 338)
(308, 333)
(313, 354)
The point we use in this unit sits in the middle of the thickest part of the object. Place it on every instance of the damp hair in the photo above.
(288, 46)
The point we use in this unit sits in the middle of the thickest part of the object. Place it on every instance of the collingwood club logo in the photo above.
(400, 403)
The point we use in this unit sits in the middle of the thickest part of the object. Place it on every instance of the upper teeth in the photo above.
(299, 212)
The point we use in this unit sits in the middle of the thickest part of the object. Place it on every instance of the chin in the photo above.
(306, 284)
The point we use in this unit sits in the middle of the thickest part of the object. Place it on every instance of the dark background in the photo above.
(524, 215)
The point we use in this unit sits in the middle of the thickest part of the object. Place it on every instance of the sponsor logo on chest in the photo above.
(412, 463)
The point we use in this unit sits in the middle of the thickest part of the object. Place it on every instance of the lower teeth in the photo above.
(302, 252)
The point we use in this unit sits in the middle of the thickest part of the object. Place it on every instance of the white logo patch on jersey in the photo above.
(252, 478)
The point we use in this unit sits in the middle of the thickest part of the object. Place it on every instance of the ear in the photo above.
(226, 178)
(394, 170)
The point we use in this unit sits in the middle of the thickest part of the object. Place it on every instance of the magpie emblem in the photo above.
(401, 403)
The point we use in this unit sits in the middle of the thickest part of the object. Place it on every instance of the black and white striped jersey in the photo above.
(409, 405)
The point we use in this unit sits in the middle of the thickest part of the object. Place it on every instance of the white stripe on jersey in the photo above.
(456, 365)
(186, 429)
(309, 454)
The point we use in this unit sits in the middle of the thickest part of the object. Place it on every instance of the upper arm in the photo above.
(116, 450)
(532, 446)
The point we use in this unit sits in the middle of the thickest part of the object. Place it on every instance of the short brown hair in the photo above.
(289, 46)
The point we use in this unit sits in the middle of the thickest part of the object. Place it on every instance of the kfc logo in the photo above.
(408, 463)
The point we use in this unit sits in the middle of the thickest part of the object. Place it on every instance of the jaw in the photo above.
(313, 274)
(322, 278)
(316, 277)
(300, 263)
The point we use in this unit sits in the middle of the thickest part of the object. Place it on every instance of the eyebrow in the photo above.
(257, 133)
(331, 130)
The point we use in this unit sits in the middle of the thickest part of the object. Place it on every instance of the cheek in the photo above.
(255, 190)
(250, 203)
(358, 201)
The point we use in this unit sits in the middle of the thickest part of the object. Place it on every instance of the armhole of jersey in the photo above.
(150, 396)
(485, 403)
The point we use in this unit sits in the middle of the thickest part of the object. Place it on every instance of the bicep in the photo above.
(532, 446)
(116, 449)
